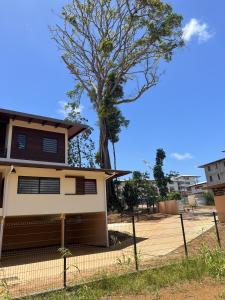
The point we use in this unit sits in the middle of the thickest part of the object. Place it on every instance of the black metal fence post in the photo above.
(184, 237)
(65, 255)
(217, 231)
(135, 243)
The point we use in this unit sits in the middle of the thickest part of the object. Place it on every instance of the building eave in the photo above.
(72, 127)
(109, 172)
(213, 162)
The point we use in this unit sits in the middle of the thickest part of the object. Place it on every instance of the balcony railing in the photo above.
(3, 152)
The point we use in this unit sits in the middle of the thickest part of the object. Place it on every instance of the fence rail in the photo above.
(133, 246)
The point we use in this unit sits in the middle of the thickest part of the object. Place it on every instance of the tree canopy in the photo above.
(108, 44)
(160, 178)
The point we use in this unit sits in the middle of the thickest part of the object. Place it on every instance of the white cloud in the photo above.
(196, 28)
(65, 111)
(180, 156)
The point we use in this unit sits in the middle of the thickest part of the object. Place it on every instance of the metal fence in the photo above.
(136, 243)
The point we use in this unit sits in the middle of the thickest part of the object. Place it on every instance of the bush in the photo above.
(209, 198)
(174, 196)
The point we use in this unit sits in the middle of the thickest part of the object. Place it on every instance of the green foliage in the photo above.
(174, 195)
(209, 198)
(143, 190)
(109, 111)
(160, 178)
(81, 152)
(130, 195)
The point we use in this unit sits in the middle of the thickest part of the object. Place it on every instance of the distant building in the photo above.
(197, 188)
(184, 182)
(215, 171)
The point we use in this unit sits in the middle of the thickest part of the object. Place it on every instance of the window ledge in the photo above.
(70, 194)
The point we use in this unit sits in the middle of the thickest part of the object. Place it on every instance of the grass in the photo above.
(207, 263)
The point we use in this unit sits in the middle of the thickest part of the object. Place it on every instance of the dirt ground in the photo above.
(207, 290)
(157, 241)
(142, 216)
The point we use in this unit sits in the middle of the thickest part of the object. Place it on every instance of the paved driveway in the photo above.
(155, 239)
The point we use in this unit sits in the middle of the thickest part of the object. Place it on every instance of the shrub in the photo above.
(209, 198)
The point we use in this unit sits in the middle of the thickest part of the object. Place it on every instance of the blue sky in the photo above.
(184, 114)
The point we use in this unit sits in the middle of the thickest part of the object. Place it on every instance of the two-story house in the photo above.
(215, 176)
(37, 186)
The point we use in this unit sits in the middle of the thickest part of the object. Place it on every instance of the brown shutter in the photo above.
(80, 185)
(90, 186)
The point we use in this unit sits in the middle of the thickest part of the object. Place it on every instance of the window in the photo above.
(218, 175)
(38, 185)
(90, 186)
(50, 145)
(210, 178)
(85, 186)
(21, 140)
(209, 168)
(49, 185)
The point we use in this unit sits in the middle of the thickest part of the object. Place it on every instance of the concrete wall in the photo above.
(220, 207)
(169, 207)
(36, 204)
(196, 199)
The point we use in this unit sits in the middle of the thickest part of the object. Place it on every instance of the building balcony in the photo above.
(3, 152)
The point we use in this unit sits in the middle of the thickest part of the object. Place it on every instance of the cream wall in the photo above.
(19, 204)
(38, 126)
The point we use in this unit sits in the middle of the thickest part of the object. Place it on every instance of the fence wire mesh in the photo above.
(34, 259)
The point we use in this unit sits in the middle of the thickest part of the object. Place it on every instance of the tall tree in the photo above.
(160, 178)
(120, 38)
(81, 148)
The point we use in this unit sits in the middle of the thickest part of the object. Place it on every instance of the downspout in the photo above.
(4, 207)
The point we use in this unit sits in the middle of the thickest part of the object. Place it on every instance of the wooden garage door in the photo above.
(86, 229)
(31, 232)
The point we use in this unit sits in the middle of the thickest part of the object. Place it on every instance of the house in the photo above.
(42, 198)
(215, 172)
(196, 193)
(215, 176)
(184, 181)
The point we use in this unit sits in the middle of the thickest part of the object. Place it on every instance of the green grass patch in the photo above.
(206, 263)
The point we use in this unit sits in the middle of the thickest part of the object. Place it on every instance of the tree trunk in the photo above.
(105, 163)
(114, 156)
(103, 145)
(79, 153)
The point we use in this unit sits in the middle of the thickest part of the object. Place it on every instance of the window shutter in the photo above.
(28, 185)
(21, 141)
(80, 185)
(38, 185)
(50, 145)
(90, 186)
(49, 185)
